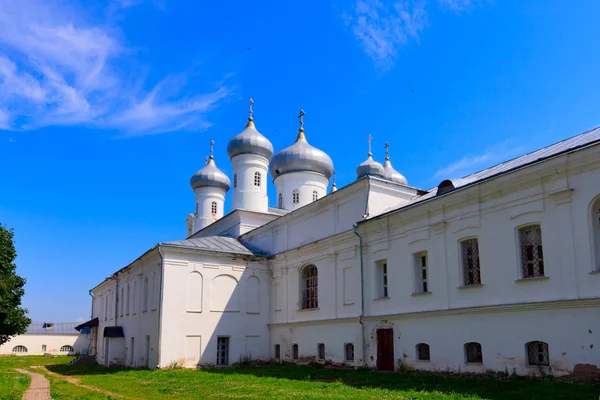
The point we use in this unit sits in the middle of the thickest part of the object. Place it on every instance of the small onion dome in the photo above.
(250, 141)
(210, 176)
(369, 167)
(391, 174)
(301, 157)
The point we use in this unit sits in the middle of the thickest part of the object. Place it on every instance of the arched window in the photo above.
(423, 352)
(309, 287)
(315, 195)
(122, 301)
(349, 350)
(213, 207)
(532, 256)
(473, 353)
(234, 180)
(280, 201)
(295, 351)
(196, 208)
(296, 196)
(145, 295)
(257, 179)
(128, 299)
(67, 349)
(537, 353)
(19, 349)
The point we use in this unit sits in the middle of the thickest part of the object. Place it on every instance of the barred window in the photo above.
(310, 287)
(234, 180)
(295, 196)
(349, 350)
(321, 351)
(295, 351)
(423, 352)
(213, 207)
(277, 352)
(473, 353)
(315, 196)
(280, 200)
(19, 349)
(537, 353)
(222, 350)
(532, 257)
(67, 349)
(470, 262)
(257, 179)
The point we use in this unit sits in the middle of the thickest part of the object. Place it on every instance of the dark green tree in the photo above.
(13, 318)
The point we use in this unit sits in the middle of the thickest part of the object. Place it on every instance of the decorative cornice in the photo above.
(561, 196)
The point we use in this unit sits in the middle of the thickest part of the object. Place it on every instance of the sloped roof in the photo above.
(219, 244)
(588, 138)
(278, 211)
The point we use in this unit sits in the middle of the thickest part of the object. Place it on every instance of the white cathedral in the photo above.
(498, 270)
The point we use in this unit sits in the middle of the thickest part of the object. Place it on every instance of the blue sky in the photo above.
(107, 107)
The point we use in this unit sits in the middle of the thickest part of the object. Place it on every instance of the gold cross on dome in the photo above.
(250, 108)
(212, 148)
(387, 150)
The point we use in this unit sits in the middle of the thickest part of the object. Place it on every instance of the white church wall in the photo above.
(208, 296)
(236, 223)
(39, 344)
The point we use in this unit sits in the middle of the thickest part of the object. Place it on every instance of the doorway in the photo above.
(147, 351)
(106, 352)
(385, 349)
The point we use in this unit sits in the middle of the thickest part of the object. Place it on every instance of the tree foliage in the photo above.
(13, 318)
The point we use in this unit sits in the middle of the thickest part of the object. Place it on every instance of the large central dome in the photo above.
(301, 157)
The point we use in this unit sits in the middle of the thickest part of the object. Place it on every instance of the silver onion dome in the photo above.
(210, 176)
(391, 174)
(369, 167)
(250, 141)
(301, 157)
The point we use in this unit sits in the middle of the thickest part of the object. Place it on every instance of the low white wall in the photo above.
(53, 343)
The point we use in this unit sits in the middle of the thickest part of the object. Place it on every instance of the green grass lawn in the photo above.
(292, 382)
(13, 384)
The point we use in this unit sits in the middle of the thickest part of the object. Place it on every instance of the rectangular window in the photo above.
(295, 351)
(321, 351)
(421, 279)
(277, 352)
(532, 256)
(470, 262)
(43, 347)
(222, 350)
(349, 350)
(381, 279)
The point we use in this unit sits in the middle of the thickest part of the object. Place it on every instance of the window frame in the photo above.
(70, 349)
(214, 207)
(235, 181)
(544, 352)
(594, 215)
(348, 346)
(476, 279)
(421, 272)
(382, 279)
(309, 287)
(535, 253)
(280, 200)
(295, 196)
(257, 179)
(320, 351)
(19, 349)
(421, 350)
(475, 348)
(315, 195)
(295, 351)
(223, 359)
(277, 351)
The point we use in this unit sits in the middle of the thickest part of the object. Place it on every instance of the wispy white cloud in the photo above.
(473, 163)
(381, 28)
(57, 69)
(457, 5)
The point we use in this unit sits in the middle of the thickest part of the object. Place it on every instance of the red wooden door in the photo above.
(385, 349)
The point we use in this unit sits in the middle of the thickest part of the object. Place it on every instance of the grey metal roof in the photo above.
(220, 244)
(391, 174)
(301, 157)
(369, 167)
(250, 141)
(52, 328)
(211, 176)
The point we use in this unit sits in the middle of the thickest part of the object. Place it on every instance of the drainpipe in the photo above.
(362, 296)
(160, 304)
(92, 296)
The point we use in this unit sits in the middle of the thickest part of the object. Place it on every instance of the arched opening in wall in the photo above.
(315, 195)
(280, 201)
(537, 353)
(19, 349)
(423, 352)
(595, 234)
(67, 349)
(295, 196)
(135, 300)
(122, 301)
(128, 299)
(349, 352)
(294, 351)
(309, 281)
(473, 353)
(257, 179)
(194, 292)
(213, 207)
(145, 296)
(253, 295)
(224, 294)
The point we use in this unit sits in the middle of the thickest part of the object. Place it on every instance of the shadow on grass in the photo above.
(483, 386)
